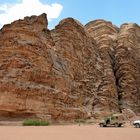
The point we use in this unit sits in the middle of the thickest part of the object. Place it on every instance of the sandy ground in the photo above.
(68, 132)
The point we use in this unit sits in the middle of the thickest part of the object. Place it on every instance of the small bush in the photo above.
(35, 123)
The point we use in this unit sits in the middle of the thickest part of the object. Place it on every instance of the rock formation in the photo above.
(119, 49)
(70, 72)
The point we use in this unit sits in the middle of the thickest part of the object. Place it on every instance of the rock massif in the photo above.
(70, 72)
(119, 49)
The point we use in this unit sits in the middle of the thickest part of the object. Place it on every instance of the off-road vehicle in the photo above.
(116, 120)
(136, 123)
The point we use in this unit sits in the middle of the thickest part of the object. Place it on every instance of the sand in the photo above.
(68, 132)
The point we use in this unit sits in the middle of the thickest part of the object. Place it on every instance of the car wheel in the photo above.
(102, 125)
(137, 125)
(120, 125)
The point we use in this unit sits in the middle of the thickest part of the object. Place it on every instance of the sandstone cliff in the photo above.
(70, 72)
(120, 49)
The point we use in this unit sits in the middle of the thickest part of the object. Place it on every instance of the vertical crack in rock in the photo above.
(105, 35)
(127, 67)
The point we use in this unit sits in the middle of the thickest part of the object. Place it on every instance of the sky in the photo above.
(116, 11)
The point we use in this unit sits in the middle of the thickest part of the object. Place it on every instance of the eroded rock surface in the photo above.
(105, 34)
(120, 52)
(127, 66)
(70, 72)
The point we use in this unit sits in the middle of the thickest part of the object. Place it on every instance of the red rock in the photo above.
(70, 72)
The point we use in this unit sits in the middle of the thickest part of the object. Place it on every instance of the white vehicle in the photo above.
(136, 123)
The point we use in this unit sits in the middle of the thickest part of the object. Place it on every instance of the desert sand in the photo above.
(68, 132)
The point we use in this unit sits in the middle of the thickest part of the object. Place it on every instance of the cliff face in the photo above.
(105, 34)
(119, 49)
(70, 72)
(127, 66)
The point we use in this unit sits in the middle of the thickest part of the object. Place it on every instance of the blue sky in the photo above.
(117, 11)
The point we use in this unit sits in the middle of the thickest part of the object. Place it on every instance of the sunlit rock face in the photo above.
(70, 72)
(120, 50)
